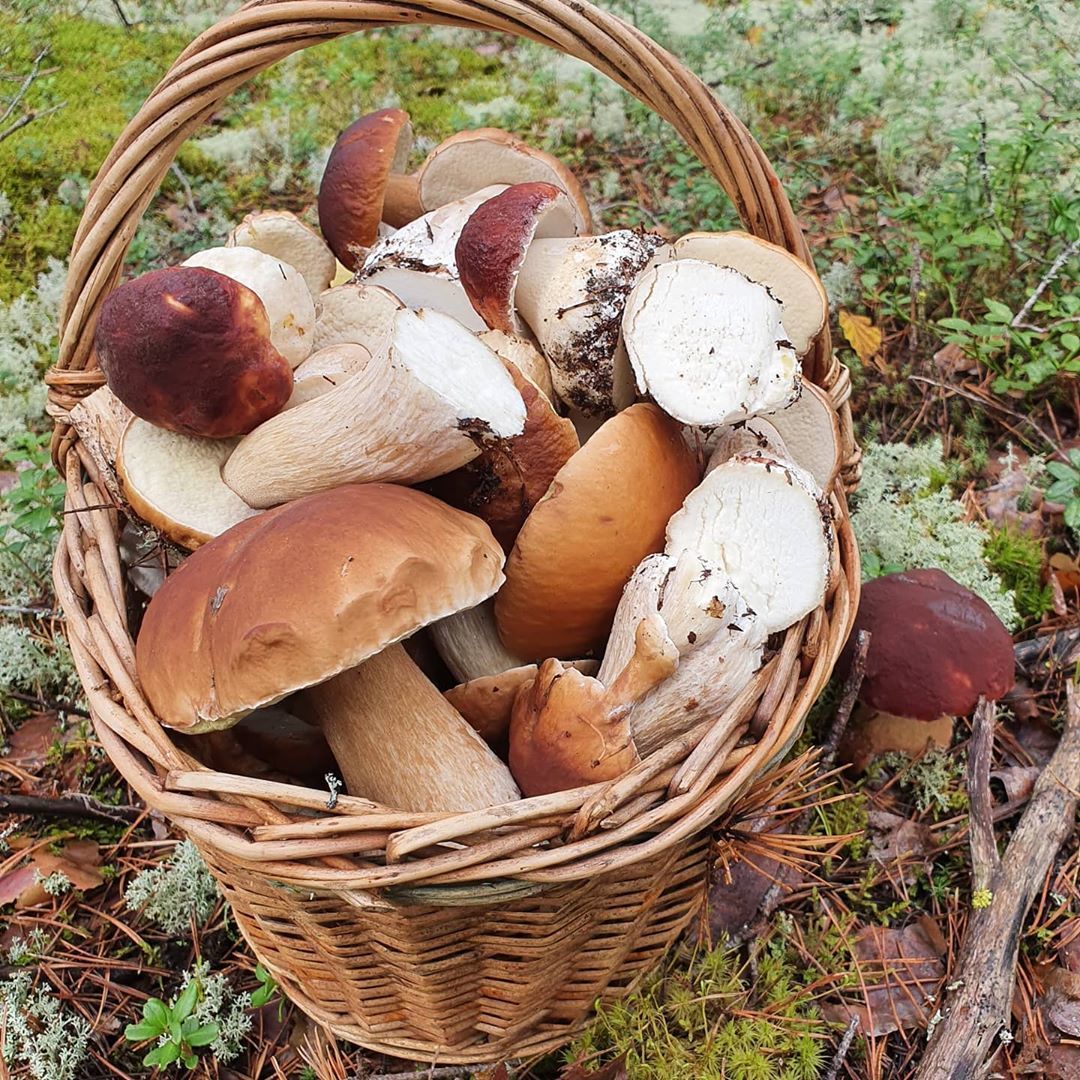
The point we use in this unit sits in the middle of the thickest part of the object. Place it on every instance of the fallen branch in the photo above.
(977, 1011)
(73, 804)
(842, 1050)
(1047, 280)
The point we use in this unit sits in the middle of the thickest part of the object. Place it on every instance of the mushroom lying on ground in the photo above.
(283, 235)
(173, 482)
(355, 314)
(571, 293)
(604, 512)
(420, 409)
(742, 501)
(493, 243)
(417, 263)
(325, 370)
(284, 293)
(804, 307)
(255, 624)
(708, 344)
(469, 644)
(190, 350)
(524, 356)
(508, 479)
(355, 182)
(461, 164)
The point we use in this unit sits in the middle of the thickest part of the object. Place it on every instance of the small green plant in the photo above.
(935, 781)
(1065, 487)
(177, 1031)
(266, 990)
(176, 893)
(1017, 559)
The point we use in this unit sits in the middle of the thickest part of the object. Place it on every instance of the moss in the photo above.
(1018, 560)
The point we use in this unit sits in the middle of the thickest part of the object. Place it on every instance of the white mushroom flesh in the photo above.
(324, 370)
(284, 236)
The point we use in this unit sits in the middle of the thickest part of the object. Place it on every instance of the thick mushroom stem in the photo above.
(469, 643)
(417, 411)
(399, 742)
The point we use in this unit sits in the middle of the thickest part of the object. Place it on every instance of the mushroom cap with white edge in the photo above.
(492, 156)
(283, 235)
(325, 370)
(355, 314)
(764, 523)
(605, 511)
(422, 408)
(754, 436)
(571, 293)
(810, 430)
(493, 243)
(284, 293)
(174, 483)
(417, 262)
(525, 356)
(354, 183)
(292, 597)
(804, 306)
(708, 344)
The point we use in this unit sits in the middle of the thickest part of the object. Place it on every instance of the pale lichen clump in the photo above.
(221, 1005)
(176, 893)
(40, 1035)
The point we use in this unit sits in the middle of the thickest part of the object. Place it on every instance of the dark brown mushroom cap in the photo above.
(936, 648)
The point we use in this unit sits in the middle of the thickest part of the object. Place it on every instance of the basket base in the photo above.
(469, 986)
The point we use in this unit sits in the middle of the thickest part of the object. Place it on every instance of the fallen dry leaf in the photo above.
(862, 335)
(79, 861)
(613, 1070)
(735, 897)
(1017, 780)
(28, 746)
(1066, 569)
(951, 360)
(896, 840)
(15, 882)
(755, 34)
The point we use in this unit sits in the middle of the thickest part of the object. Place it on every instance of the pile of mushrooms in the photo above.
(481, 502)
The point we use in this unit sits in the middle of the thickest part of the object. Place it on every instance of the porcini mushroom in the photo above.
(354, 185)
(283, 235)
(469, 160)
(421, 408)
(284, 293)
(804, 306)
(173, 482)
(326, 369)
(190, 350)
(754, 436)
(708, 343)
(355, 314)
(469, 644)
(524, 356)
(810, 430)
(571, 293)
(417, 263)
(749, 497)
(493, 243)
(256, 623)
(605, 511)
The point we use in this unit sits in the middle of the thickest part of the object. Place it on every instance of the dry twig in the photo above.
(72, 805)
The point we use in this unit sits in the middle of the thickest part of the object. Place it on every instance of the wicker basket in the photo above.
(466, 937)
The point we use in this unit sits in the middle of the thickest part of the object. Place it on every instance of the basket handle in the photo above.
(265, 31)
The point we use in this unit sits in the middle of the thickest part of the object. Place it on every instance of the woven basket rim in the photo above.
(355, 847)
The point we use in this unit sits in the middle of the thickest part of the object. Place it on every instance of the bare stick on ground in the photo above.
(977, 1012)
(73, 805)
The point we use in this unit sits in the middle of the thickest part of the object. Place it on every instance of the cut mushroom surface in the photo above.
(283, 292)
(572, 294)
(804, 306)
(743, 500)
(325, 370)
(754, 436)
(283, 235)
(422, 408)
(810, 431)
(355, 314)
(708, 344)
(174, 483)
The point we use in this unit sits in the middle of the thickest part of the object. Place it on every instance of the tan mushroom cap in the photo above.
(804, 306)
(525, 356)
(353, 187)
(606, 509)
(470, 160)
(325, 370)
(283, 235)
(174, 483)
(810, 430)
(355, 314)
(264, 610)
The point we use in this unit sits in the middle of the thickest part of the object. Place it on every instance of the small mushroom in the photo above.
(605, 511)
(935, 647)
(173, 482)
(420, 409)
(754, 436)
(742, 501)
(326, 369)
(284, 294)
(355, 314)
(283, 235)
(356, 181)
(708, 343)
(469, 160)
(804, 306)
(469, 644)
(572, 293)
(417, 263)
(493, 243)
(190, 349)
(524, 355)
(313, 596)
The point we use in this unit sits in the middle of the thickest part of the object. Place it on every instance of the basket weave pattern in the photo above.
(470, 936)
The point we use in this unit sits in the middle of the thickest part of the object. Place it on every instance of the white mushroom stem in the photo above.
(469, 644)
(572, 292)
(708, 344)
(400, 743)
(419, 410)
(742, 501)
(417, 262)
